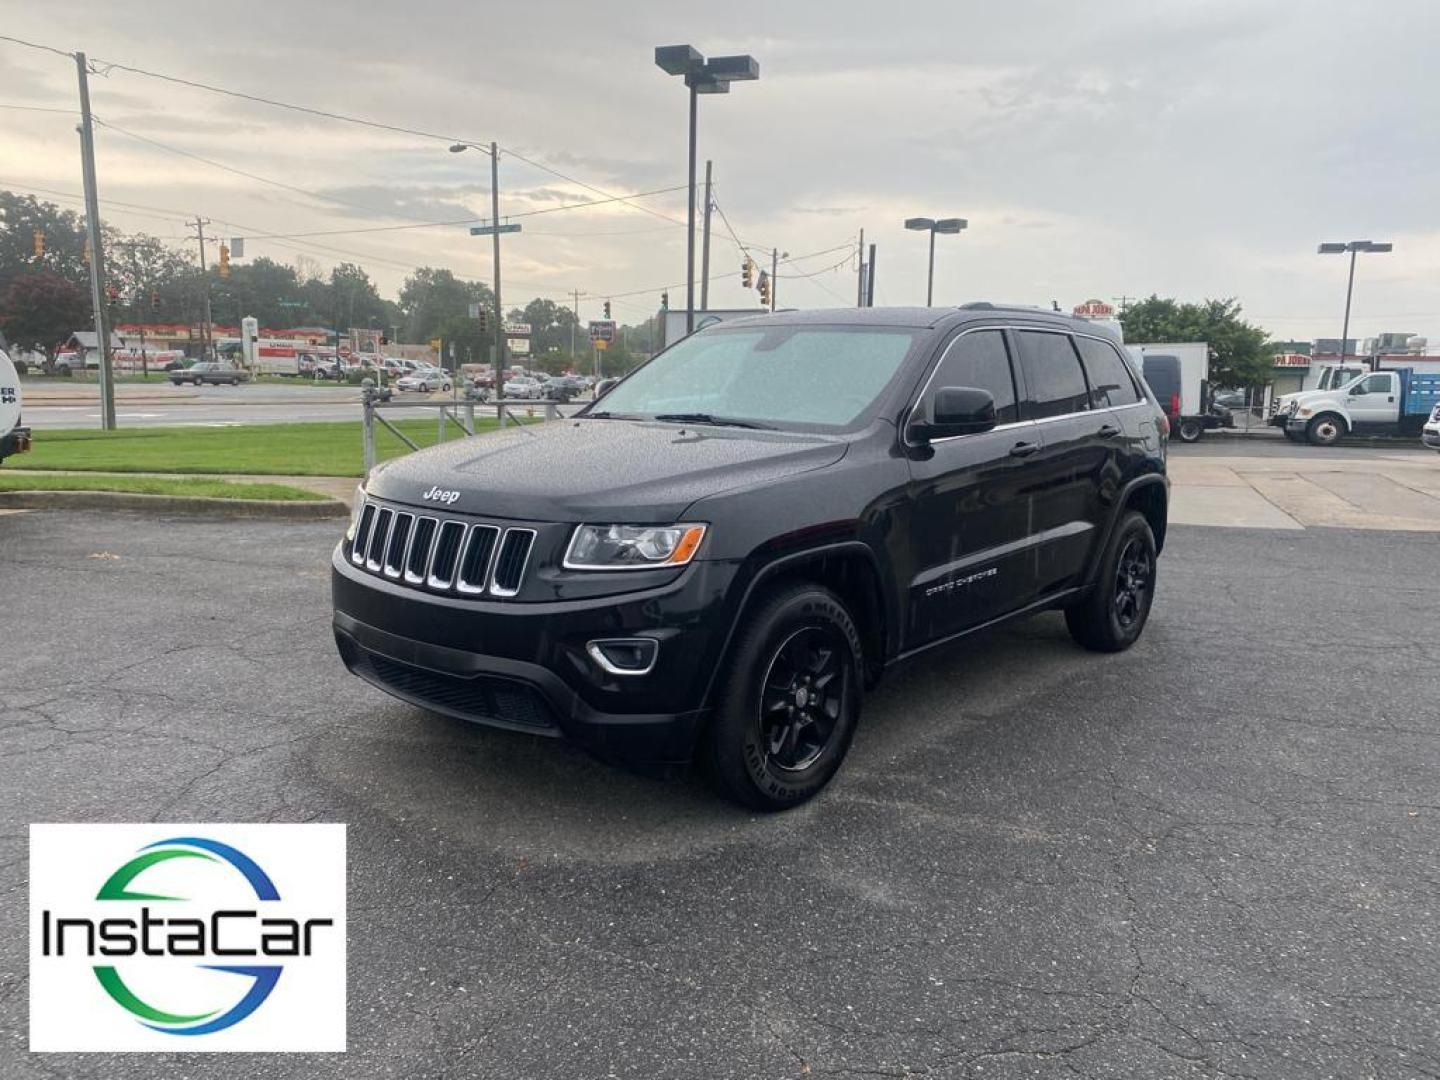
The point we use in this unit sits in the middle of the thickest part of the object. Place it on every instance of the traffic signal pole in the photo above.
(495, 220)
(97, 252)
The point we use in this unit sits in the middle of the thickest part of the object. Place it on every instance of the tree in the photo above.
(41, 309)
(140, 265)
(1238, 355)
(21, 216)
(354, 301)
(266, 289)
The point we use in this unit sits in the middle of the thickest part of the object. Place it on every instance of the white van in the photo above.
(14, 439)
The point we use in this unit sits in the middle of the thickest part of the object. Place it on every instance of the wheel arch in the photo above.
(1150, 496)
(852, 571)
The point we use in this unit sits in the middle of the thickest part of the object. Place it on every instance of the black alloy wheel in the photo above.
(803, 698)
(1134, 579)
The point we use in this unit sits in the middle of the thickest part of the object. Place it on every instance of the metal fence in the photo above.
(458, 410)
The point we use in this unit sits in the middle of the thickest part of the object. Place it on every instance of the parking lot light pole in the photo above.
(933, 226)
(1354, 247)
(702, 76)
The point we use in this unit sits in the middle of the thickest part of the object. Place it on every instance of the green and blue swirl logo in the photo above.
(262, 977)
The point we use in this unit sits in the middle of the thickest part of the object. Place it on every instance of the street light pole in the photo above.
(933, 226)
(1354, 247)
(705, 245)
(930, 276)
(702, 76)
(690, 222)
(1345, 325)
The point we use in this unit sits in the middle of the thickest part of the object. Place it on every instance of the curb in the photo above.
(173, 504)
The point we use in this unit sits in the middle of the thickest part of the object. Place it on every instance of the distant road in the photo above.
(52, 406)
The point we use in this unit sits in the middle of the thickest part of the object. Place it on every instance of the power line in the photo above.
(33, 45)
(40, 109)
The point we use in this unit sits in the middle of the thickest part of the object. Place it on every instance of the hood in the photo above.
(599, 470)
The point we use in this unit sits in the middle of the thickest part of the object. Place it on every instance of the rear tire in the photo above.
(1113, 616)
(789, 700)
(1190, 431)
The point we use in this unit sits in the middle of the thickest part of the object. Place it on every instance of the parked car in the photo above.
(524, 388)
(180, 363)
(1430, 433)
(718, 558)
(425, 380)
(1231, 399)
(212, 372)
(14, 439)
(558, 388)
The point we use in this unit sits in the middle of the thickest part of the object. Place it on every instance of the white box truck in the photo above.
(1179, 375)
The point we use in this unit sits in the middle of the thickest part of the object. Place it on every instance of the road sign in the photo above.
(491, 230)
(435, 343)
(602, 330)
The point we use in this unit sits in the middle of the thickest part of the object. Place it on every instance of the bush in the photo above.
(22, 368)
(355, 378)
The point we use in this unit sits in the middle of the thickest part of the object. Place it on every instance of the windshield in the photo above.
(802, 377)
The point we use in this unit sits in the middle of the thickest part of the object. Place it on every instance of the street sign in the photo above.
(237, 247)
(602, 330)
(491, 230)
(435, 343)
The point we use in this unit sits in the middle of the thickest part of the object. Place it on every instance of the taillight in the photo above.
(1164, 426)
(1174, 404)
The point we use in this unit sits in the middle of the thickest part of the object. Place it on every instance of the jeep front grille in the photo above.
(441, 554)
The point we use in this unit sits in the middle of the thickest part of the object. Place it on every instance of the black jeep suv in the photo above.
(717, 558)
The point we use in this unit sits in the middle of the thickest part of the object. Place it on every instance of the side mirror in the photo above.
(956, 410)
(604, 386)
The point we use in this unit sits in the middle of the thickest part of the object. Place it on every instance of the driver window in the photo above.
(980, 359)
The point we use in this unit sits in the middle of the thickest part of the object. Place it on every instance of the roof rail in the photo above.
(990, 305)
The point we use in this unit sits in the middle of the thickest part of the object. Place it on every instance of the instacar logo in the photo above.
(184, 944)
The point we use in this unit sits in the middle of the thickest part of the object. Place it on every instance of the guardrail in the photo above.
(458, 410)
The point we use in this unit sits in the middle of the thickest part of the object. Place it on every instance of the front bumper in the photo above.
(524, 666)
(1431, 439)
(17, 442)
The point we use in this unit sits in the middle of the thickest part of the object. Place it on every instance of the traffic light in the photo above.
(665, 300)
(482, 321)
(39, 238)
(747, 273)
(154, 299)
(764, 289)
(224, 260)
(607, 309)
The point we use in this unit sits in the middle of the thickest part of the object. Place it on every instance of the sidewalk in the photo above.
(1375, 492)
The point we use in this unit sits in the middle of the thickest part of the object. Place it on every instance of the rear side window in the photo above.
(1109, 375)
(1053, 377)
(980, 359)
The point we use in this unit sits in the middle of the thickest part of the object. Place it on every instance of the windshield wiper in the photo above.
(708, 418)
(601, 414)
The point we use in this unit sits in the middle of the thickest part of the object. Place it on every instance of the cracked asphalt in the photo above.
(1215, 855)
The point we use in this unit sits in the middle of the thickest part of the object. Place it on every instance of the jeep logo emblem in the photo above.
(440, 495)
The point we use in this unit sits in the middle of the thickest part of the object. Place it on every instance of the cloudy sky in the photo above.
(1099, 149)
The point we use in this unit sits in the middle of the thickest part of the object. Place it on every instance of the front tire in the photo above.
(789, 700)
(1112, 617)
(1325, 430)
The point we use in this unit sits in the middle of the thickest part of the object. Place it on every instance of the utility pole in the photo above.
(705, 247)
(495, 220)
(870, 280)
(1123, 301)
(860, 276)
(97, 252)
(205, 342)
(774, 276)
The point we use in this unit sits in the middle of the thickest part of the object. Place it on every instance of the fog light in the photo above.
(624, 656)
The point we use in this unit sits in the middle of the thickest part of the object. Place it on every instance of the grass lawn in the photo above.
(154, 485)
(321, 449)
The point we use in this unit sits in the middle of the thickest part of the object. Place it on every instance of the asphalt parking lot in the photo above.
(1215, 855)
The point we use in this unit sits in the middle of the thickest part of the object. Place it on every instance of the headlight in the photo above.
(1305, 412)
(356, 508)
(632, 547)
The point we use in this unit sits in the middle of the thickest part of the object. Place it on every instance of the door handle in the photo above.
(1024, 449)
(1109, 431)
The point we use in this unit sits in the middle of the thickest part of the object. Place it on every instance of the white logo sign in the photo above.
(185, 938)
(436, 494)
